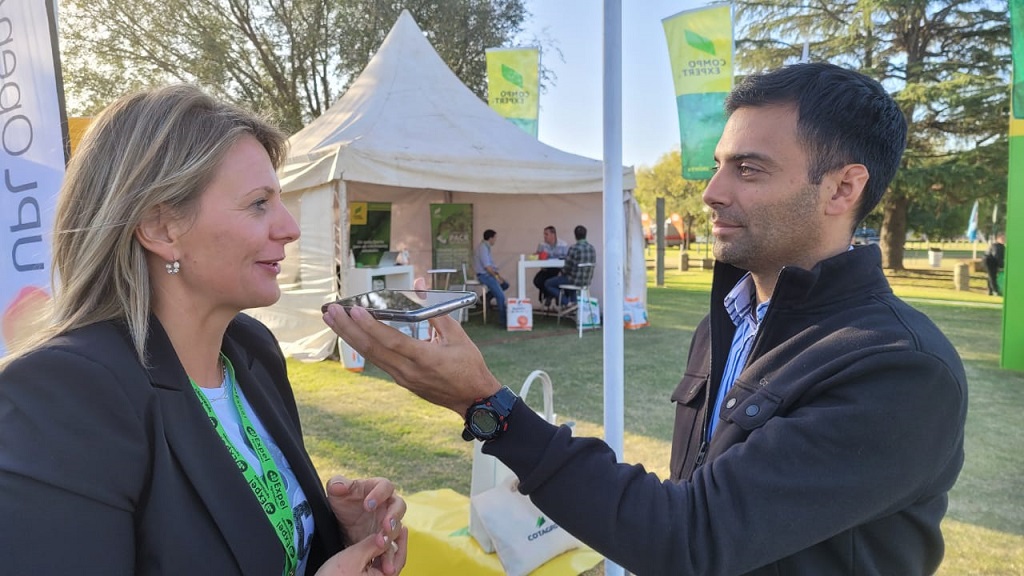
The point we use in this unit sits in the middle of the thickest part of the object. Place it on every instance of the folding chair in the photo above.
(473, 285)
(582, 293)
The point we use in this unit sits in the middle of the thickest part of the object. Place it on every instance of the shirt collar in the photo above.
(741, 300)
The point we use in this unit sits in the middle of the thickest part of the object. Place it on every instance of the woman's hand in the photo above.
(367, 507)
(374, 555)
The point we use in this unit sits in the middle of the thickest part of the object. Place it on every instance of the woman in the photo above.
(151, 429)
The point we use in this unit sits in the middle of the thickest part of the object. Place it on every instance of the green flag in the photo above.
(1013, 290)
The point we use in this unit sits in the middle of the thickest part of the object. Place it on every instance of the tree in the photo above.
(665, 180)
(291, 58)
(947, 64)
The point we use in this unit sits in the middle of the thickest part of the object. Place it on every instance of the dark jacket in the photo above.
(996, 256)
(837, 446)
(111, 468)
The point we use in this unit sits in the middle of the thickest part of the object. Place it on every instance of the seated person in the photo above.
(553, 248)
(487, 272)
(582, 252)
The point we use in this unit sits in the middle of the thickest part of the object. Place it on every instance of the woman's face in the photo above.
(230, 254)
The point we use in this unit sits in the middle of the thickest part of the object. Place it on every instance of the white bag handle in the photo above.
(549, 403)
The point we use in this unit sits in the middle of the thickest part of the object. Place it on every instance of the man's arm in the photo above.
(830, 464)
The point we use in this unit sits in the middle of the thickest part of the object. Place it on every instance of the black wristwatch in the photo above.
(487, 418)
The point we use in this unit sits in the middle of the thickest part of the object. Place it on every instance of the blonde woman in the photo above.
(151, 429)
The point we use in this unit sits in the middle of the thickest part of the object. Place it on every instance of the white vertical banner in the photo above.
(31, 161)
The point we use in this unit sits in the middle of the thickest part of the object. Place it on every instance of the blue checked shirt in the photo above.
(739, 303)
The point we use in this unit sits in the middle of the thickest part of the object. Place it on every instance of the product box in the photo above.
(519, 314)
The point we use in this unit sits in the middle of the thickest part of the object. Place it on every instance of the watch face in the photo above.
(485, 422)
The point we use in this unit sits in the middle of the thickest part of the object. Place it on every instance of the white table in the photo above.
(524, 264)
(360, 280)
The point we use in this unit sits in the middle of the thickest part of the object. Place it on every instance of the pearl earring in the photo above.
(173, 267)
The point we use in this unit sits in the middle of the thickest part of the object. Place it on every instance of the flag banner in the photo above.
(972, 223)
(700, 47)
(32, 160)
(700, 53)
(1013, 293)
(513, 85)
(1017, 41)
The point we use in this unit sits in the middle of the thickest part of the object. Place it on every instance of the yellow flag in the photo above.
(513, 82)
(700, 47)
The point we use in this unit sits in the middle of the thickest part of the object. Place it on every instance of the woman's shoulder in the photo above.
(104, 342)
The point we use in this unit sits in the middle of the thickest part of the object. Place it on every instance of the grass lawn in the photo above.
(364, 425)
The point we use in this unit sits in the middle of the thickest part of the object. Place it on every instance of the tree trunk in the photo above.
(894, 232)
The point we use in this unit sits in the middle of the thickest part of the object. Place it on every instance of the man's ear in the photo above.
(157, 233)
(849, 182)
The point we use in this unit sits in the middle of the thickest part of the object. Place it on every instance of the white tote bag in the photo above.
(489, 472)
(503, 520)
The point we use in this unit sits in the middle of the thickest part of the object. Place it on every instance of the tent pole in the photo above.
(614, 237)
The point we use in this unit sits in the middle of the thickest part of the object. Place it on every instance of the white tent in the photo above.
(409, 132)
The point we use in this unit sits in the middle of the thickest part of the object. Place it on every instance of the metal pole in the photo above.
(614, 229)
(659, 218)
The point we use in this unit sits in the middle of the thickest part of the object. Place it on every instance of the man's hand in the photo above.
(448, 371)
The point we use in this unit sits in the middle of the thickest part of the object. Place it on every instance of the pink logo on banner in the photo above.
(24, 315)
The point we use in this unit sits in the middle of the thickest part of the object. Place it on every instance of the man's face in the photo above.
(549, 237)
(766, 214)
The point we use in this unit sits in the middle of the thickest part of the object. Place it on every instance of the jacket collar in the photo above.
(856, 272)
(205, 460)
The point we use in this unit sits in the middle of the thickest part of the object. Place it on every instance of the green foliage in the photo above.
(665, 180)
(946, 63)
(289, 58)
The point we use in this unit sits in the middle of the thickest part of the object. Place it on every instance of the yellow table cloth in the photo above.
(440, 544)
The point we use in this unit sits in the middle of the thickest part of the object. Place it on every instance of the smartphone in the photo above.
(408, 305)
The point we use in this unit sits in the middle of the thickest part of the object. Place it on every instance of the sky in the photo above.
(571, 110)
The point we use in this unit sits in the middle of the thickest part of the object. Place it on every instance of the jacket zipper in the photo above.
(705, 442)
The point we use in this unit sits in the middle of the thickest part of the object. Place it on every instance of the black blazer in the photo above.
(107, 467)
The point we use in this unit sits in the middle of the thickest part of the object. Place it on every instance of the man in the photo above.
(487, 272)
(995, 259)
(551, 247)
(582, 252)
(819, 420)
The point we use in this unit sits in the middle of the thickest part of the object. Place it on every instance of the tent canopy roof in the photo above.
(409, 121)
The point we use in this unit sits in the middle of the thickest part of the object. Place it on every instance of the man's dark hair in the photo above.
(550, 229)
(580, 232)
(843, 116)
(488, 234)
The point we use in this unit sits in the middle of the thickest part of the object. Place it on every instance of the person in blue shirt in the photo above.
(488, 275)
(551, 247)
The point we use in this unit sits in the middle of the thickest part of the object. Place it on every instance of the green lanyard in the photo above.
(268, 487)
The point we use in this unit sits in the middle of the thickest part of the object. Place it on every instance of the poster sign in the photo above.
(369, 231)
(700, 47)
(451, 228)
(32, 162)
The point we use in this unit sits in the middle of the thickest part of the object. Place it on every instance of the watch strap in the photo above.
(499, 405)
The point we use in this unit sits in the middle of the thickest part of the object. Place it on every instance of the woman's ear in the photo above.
(156, 233)
(849, 181)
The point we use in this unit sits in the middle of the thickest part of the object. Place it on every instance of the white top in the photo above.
(224, 407)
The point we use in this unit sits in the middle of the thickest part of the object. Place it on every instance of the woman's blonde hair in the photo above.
(156, 148)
